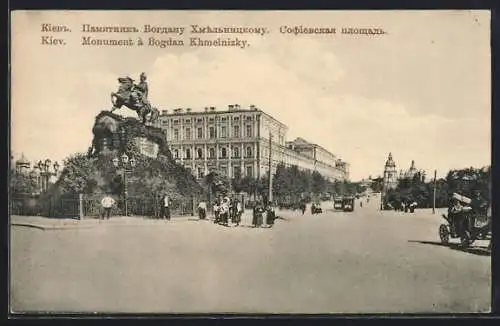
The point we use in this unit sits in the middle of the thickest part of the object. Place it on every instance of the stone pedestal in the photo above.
(115, 133)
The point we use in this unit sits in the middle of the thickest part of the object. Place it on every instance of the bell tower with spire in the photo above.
(390, 174)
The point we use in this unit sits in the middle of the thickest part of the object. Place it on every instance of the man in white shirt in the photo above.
(224, 211)
(202, 210)
(165, 207)
(107, 203)
(239, 212)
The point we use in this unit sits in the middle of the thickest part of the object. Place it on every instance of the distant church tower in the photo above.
(390, 174)
(412, 171)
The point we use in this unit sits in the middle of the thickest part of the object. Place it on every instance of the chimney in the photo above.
(253, 107)
(179, 110)
(237, 106)
(188, 110)
(164, 112)
(206, 109)
(231, 107)
(212, 108)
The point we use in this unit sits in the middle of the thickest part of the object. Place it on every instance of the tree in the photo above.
(339, 187)
(22, 183)
(462, 181)
(237, 184)
(318, 183)
(377, 184)
(79, 174)
(282, 181)
(217, 183)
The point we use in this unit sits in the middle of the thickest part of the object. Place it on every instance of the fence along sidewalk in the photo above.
(89, 206)
(137, 206)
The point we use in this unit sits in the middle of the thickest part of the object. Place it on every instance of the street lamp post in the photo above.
(125, 165)
(46, 172)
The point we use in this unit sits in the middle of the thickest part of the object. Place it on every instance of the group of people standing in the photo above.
(227, 210)
(259, 211)
(405, 207)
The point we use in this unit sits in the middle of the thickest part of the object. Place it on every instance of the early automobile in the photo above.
(464, 223)
(348, 203)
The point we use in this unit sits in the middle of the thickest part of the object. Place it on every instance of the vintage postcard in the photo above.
(250, 162)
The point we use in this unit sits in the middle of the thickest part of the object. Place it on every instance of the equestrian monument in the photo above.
(154, 171)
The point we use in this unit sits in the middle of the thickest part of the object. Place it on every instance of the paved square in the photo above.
(360, 262)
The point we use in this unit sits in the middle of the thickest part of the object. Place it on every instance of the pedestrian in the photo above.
(225, 211)
(270, 214)
(202, 210)
(107, 203)
(216, 209)
(478, 204)
(165, 207)
(258, 210)
(232, 210)
(239, 212)
(303, 207)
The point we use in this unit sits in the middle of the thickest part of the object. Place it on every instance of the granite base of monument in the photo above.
(93, 174)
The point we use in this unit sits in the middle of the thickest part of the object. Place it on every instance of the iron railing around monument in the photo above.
(69, 206)
(148, 207)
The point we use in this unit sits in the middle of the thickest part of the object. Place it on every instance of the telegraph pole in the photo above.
(270, 196)
(270, 190)
(382, 194)
(434, 194)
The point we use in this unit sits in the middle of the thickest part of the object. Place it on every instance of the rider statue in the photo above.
(140, 91)
(136, 93)
(135, 97)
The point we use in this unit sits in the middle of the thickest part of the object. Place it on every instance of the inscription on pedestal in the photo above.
(147, 147)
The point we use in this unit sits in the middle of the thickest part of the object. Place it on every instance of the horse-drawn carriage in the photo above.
(465, 223)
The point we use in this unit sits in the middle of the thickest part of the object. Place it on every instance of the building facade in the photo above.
(390, 174)
(391, 177)
(240, 142)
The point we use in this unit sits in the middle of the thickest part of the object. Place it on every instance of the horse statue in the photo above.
(133, 99)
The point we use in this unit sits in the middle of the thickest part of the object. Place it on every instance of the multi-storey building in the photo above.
(240, 142)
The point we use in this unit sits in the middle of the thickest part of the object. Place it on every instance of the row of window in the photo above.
(200, 120)
(211, 153)
(212, 132)
(236, 171)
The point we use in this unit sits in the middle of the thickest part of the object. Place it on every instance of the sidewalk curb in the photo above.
(33, 226)
(77, 226)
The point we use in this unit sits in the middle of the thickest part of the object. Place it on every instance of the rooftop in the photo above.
(231, 108)
(299, 141)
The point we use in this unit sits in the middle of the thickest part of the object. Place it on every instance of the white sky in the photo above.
(422, 91)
